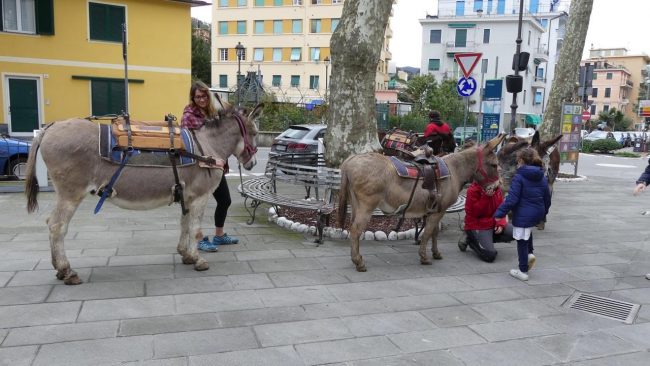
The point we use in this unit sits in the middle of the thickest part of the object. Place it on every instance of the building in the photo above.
(611, 87)
(284, 42)
(635, 65)
(490, 27)
(63, 59)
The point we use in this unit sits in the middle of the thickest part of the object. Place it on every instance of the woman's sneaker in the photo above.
(206, 245)
(531, 261)
(519, 274)
(224, 240)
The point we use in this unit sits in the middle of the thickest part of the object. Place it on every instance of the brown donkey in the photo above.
(369, 181)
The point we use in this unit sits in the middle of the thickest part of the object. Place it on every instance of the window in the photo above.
(241, 27)
(315, 25)
(533, 6)
(461, 38)
(258, 54)
(434, 64)
(259, 2)
(277, 55)
(242, 55)
(337, 1)
(296, 26)
(486, 36)
(259, 26)
(484, 66)
(223, 54)
(540, 73)
(223, 3)
(608, 92)
(316, 2)
(314, 53)
(295, 80)
(594, 76)
(592, 109)
(223, 81)
(277, 80)
(335, 23)
(241, 3)
(107, 97)
(106, 22)
(313, 81)
(605, 108)
(478, 5)
(18, 16)
(594, 92)
(277, 27)
(460, 8)
(529, 38)
(277, 2)
(501, 6)
(297, 2)
(295, 54)
(609, 76)
(544, 24)
(435, 36)
(524, 99)
(223, 27)
(538, 97)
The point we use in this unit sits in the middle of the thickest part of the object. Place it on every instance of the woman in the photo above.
(641, 184)
(202, 108)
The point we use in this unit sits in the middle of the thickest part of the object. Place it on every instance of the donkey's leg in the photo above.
(359, 221)
(58, 225)
(430, 231)
(191, 234)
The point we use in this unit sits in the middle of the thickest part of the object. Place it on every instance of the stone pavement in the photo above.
(277, 299)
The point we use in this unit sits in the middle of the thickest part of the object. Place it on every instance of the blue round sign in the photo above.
(466, 87)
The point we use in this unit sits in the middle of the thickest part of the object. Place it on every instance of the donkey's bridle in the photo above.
(479, 168)
(249, 149)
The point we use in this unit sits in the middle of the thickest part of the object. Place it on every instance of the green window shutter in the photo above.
(107, 97)
(106, 22)
(1, 17)
(44, 17)
(223, 81)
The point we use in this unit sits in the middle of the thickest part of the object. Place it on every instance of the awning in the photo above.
(533, 119)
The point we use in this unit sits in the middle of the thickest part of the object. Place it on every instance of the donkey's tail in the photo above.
(343, 199)
(31, 183)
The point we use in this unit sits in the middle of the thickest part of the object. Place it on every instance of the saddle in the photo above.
(147, 135)
(426, 166)
(398, 142)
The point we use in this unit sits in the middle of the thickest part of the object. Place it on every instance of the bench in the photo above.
(309, 172)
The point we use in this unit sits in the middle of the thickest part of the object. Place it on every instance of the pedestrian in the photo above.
(203, 107)
(436, 125)
(529, 199)
(482, 230)
(641, 184)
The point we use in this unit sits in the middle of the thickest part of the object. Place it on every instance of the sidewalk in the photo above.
(277, 299)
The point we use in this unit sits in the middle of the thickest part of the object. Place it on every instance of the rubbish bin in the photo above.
(637, 144)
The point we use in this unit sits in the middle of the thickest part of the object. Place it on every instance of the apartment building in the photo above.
(611, 87)
(636, 65)
(63, 59)
(490, 27)
(284, 43)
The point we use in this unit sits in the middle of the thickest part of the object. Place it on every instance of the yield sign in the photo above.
(467, 61)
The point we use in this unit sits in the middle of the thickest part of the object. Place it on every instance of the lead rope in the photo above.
(173, 154)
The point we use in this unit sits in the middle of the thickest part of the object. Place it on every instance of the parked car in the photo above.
(299, 139)
(598, 135)
(471, 133)
(13, 157)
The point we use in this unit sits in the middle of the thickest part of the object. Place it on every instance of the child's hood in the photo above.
(531, 172)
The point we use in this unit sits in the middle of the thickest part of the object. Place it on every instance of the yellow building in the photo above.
(287, 42)
(63, 58)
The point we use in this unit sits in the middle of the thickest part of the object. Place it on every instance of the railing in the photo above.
(468, 44)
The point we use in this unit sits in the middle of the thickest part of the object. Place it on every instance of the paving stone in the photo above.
(577, 322)
(95, 352)
(372, 261)
(137, 307)
(537, 291)
(254, 255)
(261, 316)
(38, 314)
(524, 328)
(633, 359)
(638, 334)
(97, 290)
(490, 280)
(437, 358)
(3, 333)
(203, 342)
(387, 323)
(188, 285)
(346, 350)
(34, 278)
(418, 302)
(216, 269)
(80, 262)
(139, 260)
(18, 265)
(281, 334)
(454, 316)
(508, 353)
(218, 301)
(295, 296)
(167, 324)
(176, 361)
(497, 294)
(637, 295)
(61, 333)
(306, 278)
(590, 272)
(133, 273)
(96, 252)
(94, 235)
(23, 294)
(580, 346)
(549, 276)
(599, 285)
(272, 356)
(17, 356)
(285, 264)
(435, 339)
(513, 310)
(250, 281)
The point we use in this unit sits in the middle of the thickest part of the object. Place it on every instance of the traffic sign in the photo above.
(466, 86)
(467, 61)
(644, 108)
(586, 116)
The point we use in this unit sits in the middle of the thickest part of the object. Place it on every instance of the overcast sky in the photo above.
(620, 23)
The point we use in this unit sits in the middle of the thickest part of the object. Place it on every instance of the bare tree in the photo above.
(566, 73)
(356, 48)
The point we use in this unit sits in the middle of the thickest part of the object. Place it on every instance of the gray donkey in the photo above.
(70, 152)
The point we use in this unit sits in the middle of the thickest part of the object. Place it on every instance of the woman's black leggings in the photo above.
(222, 196)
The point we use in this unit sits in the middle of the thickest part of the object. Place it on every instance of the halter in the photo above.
(249, 149)
(486, 178)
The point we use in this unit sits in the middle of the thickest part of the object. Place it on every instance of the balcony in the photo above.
(451, 47)
(628, 84)
(540, 55)
(539, 83)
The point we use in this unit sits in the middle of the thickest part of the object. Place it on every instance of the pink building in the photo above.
(611, 88)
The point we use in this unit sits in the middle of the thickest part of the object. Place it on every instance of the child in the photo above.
(529, 199)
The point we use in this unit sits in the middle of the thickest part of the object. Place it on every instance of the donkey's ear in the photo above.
(492, 144)
(257, 111)
(546, 144)
(535, 141)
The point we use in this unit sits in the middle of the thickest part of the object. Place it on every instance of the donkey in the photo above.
(369, 181)
(70, 152)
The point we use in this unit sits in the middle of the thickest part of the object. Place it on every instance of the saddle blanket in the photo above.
(406, 169)
(139, 157)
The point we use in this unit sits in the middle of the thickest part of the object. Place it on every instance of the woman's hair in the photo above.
(530, 157)
(211, 111)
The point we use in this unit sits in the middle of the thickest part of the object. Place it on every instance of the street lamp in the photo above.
(327, 61)
(239, 48)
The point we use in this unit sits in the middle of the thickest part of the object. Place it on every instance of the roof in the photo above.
(193, 2)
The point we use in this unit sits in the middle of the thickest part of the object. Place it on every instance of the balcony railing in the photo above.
(453, 47)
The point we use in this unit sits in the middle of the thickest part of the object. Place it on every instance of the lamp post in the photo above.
(239, 48)
(327, 61)
(513, 106)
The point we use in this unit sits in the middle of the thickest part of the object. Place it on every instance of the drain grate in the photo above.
(603, 306)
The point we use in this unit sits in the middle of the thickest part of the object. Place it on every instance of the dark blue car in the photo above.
(13, 157)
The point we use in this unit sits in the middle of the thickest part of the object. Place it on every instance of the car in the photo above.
(13, 157)
(298, 139)
(598, 135)
(524, 132)
(471, 133)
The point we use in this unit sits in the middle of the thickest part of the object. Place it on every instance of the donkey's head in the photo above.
(245, 133)
(487, 169)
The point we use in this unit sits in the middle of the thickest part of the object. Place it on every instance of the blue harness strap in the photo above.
(109, 187)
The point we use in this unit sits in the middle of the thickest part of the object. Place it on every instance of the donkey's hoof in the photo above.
(201, 265)
(426, 262)
(61, 274)
(72, 279)
(189, 260)
(437, 256)
(362, 268)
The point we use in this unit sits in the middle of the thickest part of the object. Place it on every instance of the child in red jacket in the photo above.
(481, 228)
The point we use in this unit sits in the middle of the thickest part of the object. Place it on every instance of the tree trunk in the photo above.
(356, 48)
(566, 73)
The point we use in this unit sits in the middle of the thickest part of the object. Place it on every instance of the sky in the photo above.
(620, 23)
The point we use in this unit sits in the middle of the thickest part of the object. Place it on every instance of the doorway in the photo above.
(23, 104)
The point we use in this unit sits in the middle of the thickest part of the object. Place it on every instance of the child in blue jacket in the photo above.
(529, 199)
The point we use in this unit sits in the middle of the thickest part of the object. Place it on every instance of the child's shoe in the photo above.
(531, 261)
(519, 274)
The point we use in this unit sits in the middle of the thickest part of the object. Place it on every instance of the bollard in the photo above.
(41, 169)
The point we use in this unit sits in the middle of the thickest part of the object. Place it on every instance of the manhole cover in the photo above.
(603, 306)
